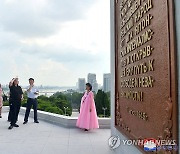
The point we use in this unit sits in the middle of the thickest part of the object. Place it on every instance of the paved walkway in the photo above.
(46, 138)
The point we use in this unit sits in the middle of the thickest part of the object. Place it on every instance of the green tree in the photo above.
(54, 110)
(75, 99)
(102, 100)
(55, 104)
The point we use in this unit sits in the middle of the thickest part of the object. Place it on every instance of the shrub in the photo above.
(24, 103)
(53, 104)
(43, 106)
(6, 103)
(54, 110)
(42, 97)
(101, 116)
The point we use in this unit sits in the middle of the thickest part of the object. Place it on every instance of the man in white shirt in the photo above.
(32, 93)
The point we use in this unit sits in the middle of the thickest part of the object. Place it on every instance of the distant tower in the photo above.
(92, 80)
(81, 84)
(107, 82)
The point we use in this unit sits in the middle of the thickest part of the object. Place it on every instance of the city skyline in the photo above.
(91, 78)
(75, 85)
(53, 43)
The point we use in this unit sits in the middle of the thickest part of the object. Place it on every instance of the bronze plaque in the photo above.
(145, 69)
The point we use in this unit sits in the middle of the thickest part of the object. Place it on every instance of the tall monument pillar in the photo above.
(177, 23)
(144, 68)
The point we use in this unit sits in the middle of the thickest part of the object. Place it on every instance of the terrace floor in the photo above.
(46, 138)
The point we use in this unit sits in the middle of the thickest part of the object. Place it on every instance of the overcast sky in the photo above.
(54, 41)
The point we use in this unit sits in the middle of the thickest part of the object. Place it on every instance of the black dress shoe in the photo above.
(25, 122)
(36, 122)
(0, 116)
(15, 125)
(10, 127)
(86, 130)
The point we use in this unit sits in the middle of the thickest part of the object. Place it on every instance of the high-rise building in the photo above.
(95, 86)
(81, 84)
(92, 80)
(107, 82)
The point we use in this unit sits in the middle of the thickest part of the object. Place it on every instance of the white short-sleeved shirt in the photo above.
(31, 94)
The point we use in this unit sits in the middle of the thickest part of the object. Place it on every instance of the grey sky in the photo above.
(54, 41)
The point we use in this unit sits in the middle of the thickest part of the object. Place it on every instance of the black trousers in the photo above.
(14, 111)
(9, 115)
(31, 102)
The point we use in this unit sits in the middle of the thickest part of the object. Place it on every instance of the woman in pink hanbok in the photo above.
(1, 100)
(88, 117)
